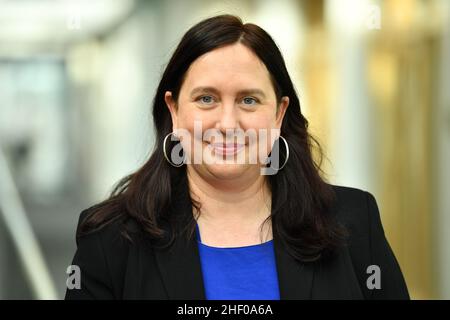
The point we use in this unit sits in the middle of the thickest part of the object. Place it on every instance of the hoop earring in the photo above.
(287, 154)
(165, 153)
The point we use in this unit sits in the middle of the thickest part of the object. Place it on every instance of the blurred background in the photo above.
(77, 79)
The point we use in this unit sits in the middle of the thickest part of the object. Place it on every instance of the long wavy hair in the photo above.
(301, 199)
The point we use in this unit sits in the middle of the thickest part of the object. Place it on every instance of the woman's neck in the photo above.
(234, 208)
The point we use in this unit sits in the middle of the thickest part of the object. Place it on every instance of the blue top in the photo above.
(239, 273)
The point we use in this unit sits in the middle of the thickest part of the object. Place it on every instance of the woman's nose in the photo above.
(228, 118)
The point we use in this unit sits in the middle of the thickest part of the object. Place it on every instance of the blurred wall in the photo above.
(440, 158)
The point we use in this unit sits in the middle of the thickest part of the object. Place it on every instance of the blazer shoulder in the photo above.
(346, 194)
(102, 256)
(113, 238)
(112, 233)
(368, 245)
(352, 207)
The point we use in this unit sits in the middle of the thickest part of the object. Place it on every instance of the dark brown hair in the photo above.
(301, 199)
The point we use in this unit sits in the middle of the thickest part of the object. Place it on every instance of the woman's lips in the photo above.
(227, 148)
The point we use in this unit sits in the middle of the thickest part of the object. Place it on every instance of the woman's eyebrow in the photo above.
(251, 91)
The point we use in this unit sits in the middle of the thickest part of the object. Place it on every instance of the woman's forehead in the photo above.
(233, 65)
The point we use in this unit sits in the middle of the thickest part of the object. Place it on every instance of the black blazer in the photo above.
(113, 268)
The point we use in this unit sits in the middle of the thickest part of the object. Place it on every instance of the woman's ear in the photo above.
(171, 105)
(282, 107)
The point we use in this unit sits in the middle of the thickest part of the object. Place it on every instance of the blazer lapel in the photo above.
(180, 269)
(295, 280)
(181, 272)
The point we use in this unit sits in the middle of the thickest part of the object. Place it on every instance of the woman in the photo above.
(209, 217)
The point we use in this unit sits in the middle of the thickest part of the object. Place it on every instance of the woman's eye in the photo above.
(249, 100)
(206, 99)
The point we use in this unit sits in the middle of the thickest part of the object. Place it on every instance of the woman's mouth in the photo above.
(226, 148)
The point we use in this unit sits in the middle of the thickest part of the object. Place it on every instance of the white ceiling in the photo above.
(32, 24)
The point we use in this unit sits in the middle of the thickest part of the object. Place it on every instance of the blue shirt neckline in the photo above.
(239, 273)
(199, 240)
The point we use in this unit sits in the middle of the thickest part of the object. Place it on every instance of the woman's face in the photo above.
(226, 111)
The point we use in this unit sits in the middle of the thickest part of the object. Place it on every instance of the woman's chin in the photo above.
(227, 170)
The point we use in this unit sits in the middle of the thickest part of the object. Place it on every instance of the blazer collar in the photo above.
(295, 279)
(181, 272)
